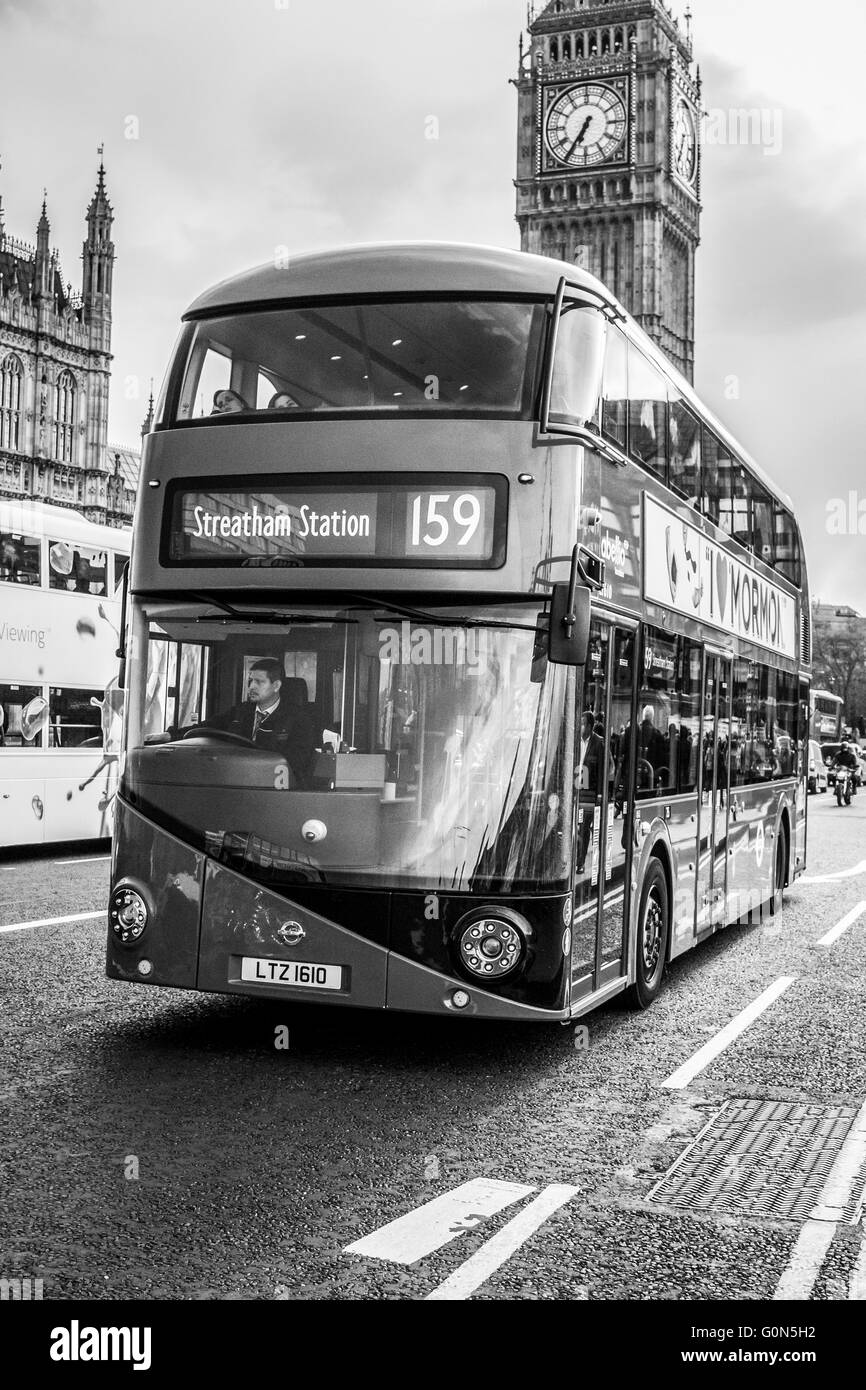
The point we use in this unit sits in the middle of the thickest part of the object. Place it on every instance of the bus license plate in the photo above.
(291, 972)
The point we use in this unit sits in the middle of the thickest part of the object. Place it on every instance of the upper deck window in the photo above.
(80, 569)
(648, 410)
(19, 558)
(614, 410)
(577, 366)
(435, 356)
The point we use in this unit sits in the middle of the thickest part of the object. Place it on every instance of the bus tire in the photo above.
(654, 919)
(780, 869)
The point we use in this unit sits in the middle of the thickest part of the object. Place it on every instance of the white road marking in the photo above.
(835, 932)
(93, 859)
(53, 921)
(702, 1058)
(857, 1287)
(834, 878)
(816, 1237)
(494, 1252)
(427, 1228)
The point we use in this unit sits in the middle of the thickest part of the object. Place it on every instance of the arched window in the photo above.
(11, 377)
(605, 42)
(566, 50)
(64, 416)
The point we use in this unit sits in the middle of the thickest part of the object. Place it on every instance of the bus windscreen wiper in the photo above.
(435, 619)
(260, 615)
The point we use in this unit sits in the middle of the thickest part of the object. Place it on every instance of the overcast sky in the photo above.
(263, 123)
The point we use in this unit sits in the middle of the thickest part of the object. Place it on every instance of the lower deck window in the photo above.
(73, 719)
(22, 716)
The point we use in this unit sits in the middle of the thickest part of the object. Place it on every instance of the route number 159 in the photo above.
(443, 518)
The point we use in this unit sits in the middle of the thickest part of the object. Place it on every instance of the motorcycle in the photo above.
(844, 785)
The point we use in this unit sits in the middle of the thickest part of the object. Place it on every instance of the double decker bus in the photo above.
(827, 716)
(467, 653)
(60, 713)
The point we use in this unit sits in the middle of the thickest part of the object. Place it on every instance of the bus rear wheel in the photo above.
(780, 870)
(653, 928)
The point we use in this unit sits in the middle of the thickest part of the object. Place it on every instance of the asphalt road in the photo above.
(158, 1144)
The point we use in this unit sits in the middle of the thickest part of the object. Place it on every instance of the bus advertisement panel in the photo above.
(467, 662)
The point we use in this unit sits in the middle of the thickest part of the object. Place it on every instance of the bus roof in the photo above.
(30, 516)
(428, 267)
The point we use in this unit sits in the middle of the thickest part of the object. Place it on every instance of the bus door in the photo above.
(603, 809)
(712, 878)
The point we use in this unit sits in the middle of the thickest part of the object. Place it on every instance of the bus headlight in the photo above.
(492, 944)
(128, 915)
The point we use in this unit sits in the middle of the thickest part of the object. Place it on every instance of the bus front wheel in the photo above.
(652, 939)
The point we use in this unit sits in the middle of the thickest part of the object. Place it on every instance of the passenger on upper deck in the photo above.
(228, 403)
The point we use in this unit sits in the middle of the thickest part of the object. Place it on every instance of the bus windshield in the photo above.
(465, 355)
(357, 745)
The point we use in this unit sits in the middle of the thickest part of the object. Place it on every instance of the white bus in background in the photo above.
(59, 706)
(827, 716)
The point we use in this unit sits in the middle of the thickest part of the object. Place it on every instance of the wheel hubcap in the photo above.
(653, 924)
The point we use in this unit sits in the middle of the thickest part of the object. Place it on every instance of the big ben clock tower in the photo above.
(608, 159)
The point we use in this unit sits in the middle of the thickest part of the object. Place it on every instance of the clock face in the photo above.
(586, 125)
(685, 142)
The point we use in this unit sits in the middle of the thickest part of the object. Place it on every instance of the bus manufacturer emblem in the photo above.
(290, 933)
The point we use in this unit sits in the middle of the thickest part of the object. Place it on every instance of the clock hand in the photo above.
(579, 138)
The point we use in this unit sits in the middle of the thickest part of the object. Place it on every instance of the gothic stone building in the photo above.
(608, 157)
(55, 368)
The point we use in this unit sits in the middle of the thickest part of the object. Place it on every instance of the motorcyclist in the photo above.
(846, 757)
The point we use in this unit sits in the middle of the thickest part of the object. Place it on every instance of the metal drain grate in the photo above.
(758, 1158)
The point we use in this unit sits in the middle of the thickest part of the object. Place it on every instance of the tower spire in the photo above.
(147, 425)
(98, 257)
(43, 253)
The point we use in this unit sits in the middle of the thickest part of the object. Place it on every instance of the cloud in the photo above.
(262, 124)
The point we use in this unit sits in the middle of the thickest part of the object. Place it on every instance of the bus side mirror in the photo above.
(568, 640)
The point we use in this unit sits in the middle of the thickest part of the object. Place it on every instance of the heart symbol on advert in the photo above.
(722, 583)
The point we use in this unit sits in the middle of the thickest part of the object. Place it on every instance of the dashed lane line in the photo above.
(436, 1223)
(835, 932)
(702, 1058)
(53, 921)
(494, 1252)
(816, 1237)
(834, 878)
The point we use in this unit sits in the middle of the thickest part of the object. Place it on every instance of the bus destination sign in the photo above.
(455, 521)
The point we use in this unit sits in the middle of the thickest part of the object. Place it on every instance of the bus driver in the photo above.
(275, 717)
